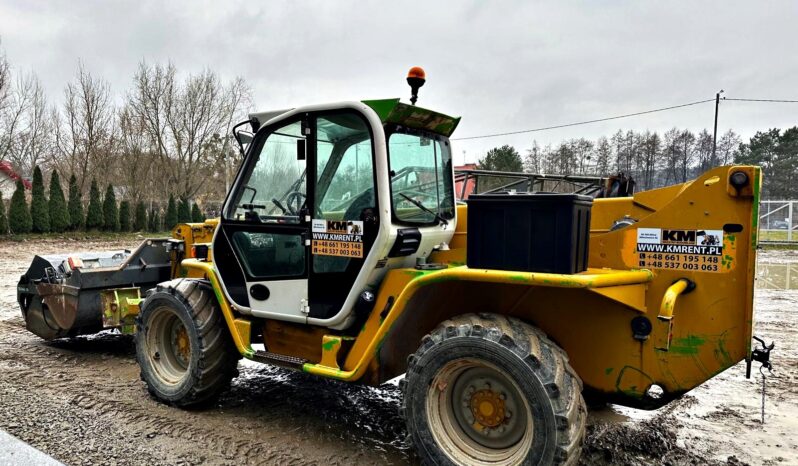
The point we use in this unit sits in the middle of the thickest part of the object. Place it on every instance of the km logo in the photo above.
(678, 236)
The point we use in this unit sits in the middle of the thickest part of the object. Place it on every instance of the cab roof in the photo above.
(393, 111)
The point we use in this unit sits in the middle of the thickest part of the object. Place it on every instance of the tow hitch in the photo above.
(761, 355)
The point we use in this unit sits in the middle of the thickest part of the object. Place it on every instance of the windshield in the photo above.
(421, 177)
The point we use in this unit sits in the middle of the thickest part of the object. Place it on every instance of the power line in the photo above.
(764, 100)
(545, 128)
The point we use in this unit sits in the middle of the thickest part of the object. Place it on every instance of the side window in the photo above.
(274, 190)
(269, 255)
(344, 184)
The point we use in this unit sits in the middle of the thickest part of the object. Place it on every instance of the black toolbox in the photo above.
(538, 232)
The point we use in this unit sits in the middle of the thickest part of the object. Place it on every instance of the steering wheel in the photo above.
(294, 202)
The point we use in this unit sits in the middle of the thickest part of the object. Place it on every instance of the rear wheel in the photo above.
(490, 390)
(185, 351)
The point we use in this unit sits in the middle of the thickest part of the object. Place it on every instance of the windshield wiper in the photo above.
(424, 208)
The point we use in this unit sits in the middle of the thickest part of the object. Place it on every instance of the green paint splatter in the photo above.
(608, 371)
(330, 345)
(727, 261)
(687, 346)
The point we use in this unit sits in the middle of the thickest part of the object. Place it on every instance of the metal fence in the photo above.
(778, 222)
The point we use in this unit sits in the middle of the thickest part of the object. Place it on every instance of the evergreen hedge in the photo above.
(19, 220)
(110, 210)
(59, 214)
(39, 210)
(183, 212)
(171, 214)
(124, 216)
(75, 204)
(140, 220)
(3, 218)
(94, 214)
(196, 214)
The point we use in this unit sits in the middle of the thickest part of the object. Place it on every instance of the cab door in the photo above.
(301, 218)
(345, 214)
(261, 248)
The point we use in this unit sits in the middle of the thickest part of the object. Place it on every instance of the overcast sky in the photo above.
(502, 66)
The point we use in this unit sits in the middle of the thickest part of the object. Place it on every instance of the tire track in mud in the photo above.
(139, 418)
(135, 416)
(98, 375)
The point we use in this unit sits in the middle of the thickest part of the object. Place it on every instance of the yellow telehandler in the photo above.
(341, 251)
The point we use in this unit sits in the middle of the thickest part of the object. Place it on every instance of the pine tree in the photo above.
(196, 214)
(153, 222)
(171, 214)
(110, 210)
(39, 211)
(94, 214)
(140, 221)
(124, 216)
(183, 212)
(59, 215)
(19, 220)
(3, 218)
(75, 205)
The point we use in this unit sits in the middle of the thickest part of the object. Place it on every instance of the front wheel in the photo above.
(490, 390)
(184, 349)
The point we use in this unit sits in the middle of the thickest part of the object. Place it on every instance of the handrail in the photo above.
(679, 287)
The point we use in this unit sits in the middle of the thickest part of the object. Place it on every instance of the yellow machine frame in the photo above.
(699, 322)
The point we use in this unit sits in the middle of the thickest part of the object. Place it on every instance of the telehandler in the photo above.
(342, 252)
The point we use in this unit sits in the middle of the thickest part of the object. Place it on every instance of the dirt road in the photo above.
(82, 402)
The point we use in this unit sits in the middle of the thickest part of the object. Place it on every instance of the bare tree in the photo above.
(187, 123)
(582, 150)
(648, 154)
(670, 154)
(603, 154)
(533, 162)
(703, 152)
(727, 146)
(5, 79)
(686, 144)
(31, 141)
(84, 131)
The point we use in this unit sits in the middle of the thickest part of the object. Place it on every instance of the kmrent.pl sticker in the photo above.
(695, 250)
(342, 238)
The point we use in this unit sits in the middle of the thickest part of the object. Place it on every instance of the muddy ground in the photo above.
(82, 402)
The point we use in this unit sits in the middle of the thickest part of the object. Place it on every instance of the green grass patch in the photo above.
(776, 235)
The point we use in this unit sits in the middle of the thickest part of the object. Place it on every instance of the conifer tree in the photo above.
(183, 212)
(153, 222)
(171, 214)
(75, 205)
(3, 218)
(140, 220)
(110, 210)
(39, 210)
(19, 220)
(94, 214)
(124, 215)
(59, 214)
(196, 214)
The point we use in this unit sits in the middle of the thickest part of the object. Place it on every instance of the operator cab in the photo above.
(327, 199)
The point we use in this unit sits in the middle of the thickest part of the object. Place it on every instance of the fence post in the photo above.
(789, 221)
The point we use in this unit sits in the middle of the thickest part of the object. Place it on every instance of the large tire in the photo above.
(488, 389)
(184, 349)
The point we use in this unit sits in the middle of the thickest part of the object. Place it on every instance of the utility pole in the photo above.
(715, 133)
